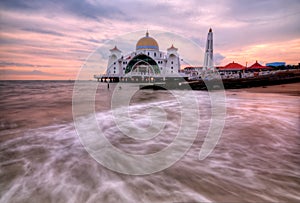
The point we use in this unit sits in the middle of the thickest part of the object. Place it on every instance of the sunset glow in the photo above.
(51, 39)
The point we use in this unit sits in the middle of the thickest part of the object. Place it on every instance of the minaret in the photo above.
(209, 52)
(113, 65)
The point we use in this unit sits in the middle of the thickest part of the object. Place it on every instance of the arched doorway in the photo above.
(143, 65)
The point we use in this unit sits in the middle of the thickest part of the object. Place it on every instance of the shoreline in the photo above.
(279, 78)
(291, 89)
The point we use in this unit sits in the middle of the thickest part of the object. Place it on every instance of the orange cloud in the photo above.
(286, 51)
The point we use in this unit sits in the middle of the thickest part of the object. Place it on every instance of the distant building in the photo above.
(235, 67)
(275, 64)
(256, 66)
(232, 67)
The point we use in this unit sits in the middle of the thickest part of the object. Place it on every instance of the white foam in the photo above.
(242, 165)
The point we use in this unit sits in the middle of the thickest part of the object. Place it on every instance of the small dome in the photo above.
(147, 43)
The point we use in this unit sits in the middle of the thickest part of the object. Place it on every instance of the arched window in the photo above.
(154, 54)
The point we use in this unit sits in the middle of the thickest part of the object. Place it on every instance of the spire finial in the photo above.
(147, 33)
(115, 49)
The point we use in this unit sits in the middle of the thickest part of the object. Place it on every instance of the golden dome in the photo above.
(147, 43)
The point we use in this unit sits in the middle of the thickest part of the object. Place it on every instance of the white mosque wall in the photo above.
(168, 64)
(172, 65)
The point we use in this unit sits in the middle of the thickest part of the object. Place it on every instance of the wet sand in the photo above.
(292, 89)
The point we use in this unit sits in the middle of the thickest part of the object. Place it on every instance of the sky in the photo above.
(51, 39)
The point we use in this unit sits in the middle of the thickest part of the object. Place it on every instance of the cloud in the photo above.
(263, 10)
(23, 72)
(218, 58)
(43, 31)
(60, 34)
(10, 64)
(81, 8)
(16, 5)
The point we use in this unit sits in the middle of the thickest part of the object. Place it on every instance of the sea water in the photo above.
(43, 160)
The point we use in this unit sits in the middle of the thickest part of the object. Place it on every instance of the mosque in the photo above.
(148, 62)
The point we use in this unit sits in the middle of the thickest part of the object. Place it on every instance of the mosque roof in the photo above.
(172, 48)
(147, 42)
(115, 49)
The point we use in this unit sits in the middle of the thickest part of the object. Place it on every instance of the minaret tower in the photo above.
(209, 52)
